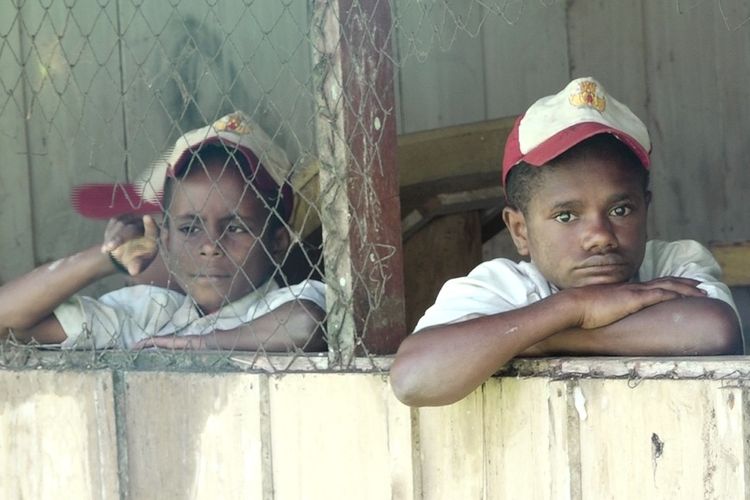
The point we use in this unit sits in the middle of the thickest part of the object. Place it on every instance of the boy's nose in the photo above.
(599, 236)
(211, 245)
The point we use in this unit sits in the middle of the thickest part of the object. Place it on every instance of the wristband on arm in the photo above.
(117, 264)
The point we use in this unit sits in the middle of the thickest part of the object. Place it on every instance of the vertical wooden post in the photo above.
(360, 209)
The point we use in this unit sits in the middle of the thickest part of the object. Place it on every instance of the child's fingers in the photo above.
(121, 230)
(111, 240)
(682, 286)
(150, 229)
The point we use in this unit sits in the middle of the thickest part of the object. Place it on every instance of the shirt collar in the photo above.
(188, 313)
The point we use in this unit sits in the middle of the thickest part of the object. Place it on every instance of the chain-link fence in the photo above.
(131, 107)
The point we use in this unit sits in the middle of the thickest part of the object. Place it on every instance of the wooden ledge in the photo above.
(698, 367)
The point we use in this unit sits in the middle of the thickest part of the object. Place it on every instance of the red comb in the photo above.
(103, 201)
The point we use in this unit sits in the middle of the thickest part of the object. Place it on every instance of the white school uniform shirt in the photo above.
(122, 318)
(501, 285)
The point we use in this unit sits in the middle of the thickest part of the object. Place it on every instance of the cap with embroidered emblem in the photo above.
(236, 131)
(556, 123)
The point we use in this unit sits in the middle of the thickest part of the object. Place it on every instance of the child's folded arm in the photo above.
(688, 326)
(26, 303)
(294, 325)
(443, 364)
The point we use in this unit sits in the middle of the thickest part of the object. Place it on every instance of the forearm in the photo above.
(682, 327)
(443, 364)
(29, 299)
(292, 326)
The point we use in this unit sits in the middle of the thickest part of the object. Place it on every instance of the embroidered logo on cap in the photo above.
(233, 123)
(587, 96)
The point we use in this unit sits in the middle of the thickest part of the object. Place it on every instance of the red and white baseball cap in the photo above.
(556, 123)
(236, 131)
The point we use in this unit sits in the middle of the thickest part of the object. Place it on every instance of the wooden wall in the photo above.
(566, 429)
(93, 94)
(683, 67)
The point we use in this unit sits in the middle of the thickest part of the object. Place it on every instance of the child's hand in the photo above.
(174, 342)
(132, 242)
(601, 305)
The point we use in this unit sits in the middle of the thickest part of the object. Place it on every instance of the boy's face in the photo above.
(585, 222)
(217, 242)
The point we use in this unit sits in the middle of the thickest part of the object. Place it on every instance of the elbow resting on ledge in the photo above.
(723, 334)
(405, 385)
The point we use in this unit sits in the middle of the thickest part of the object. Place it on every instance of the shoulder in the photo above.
(677, 258)
(141, 299)
(493, 287)
(685, 259)
(118, 318)
(497, 271)
(311, 290)
(264, 300)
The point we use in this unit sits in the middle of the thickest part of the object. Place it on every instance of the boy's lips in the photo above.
(602, 261)
(210, 276)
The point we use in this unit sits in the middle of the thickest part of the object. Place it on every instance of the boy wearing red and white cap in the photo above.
(224, 193)
(575, 174)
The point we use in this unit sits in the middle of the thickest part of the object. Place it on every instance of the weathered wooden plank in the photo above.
(16, 246)
(74, 116)
(452, 151)
(679, 439)
(356, 137)
(451, 449)
(449, 247)
(310, 362)
(732, 80)
(524, 60)
(442, 70)
(734, 259)
(355, 442)
(635, 369)
(193, 435)
(57, 431)
(526, 439)
(689, 193)
(450, 203)
(605, 40)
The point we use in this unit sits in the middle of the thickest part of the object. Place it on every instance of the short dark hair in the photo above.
(523, 178)
(198, 159)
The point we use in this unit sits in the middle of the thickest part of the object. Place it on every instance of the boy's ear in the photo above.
(516, 224)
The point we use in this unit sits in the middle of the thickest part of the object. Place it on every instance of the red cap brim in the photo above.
(104, 201)
(562, 142)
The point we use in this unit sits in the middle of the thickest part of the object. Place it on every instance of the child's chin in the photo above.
(600, 280)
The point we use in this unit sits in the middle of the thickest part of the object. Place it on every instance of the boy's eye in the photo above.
(191, 228)
(565, 217)
(621, 211)
(237, 226)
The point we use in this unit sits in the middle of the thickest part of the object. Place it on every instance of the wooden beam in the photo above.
(450, 203)
(430, 163)
(476, 148)
(359, 199)
(734, 259)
